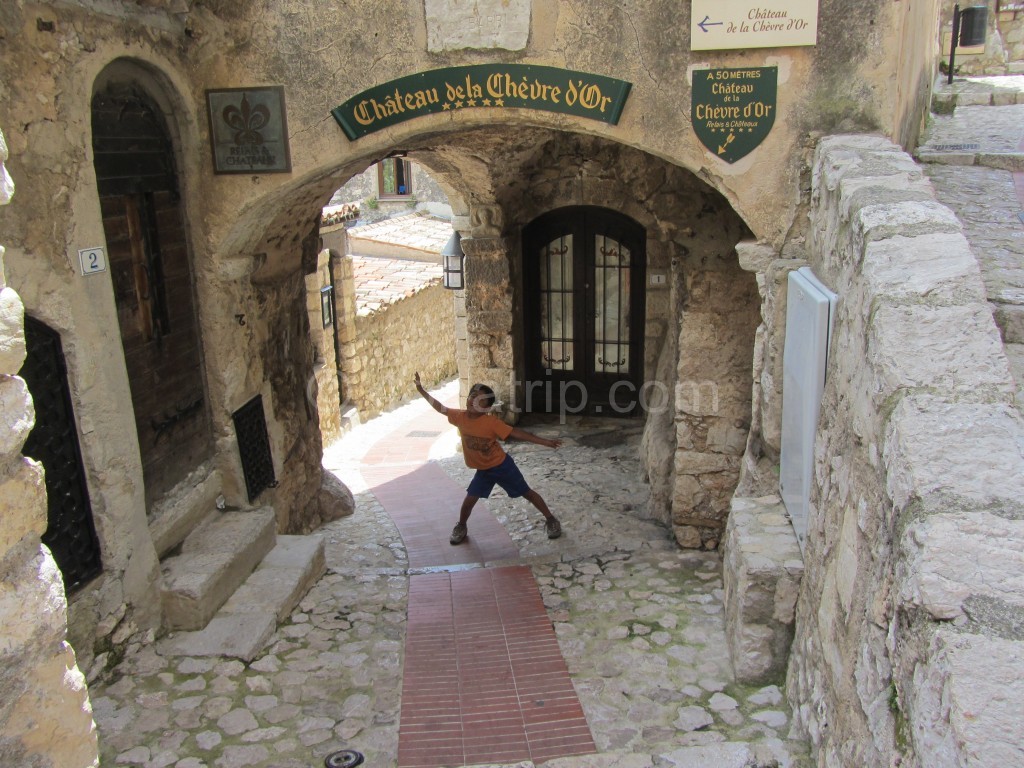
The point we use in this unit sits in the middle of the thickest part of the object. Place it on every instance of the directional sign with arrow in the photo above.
(708, 23)
(733, 110)
(728, 24)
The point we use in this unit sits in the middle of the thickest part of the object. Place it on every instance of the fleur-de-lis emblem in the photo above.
(247, 121)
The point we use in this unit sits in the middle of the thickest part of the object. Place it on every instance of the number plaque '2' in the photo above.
(92, 260)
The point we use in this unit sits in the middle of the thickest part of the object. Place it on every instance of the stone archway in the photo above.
(700, 317)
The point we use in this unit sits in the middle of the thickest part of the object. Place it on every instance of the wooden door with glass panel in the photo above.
(584, 273)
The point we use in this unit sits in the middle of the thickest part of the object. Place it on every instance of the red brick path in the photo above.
(485, 681)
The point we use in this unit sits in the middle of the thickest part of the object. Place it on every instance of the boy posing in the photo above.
(480, 432)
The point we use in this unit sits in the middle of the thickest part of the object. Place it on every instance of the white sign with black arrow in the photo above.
(728, 24)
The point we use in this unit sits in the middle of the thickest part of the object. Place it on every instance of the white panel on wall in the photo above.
(810, 315)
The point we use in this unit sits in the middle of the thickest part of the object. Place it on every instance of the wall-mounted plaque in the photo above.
(248, 130)
(733, 110)
(454, 25)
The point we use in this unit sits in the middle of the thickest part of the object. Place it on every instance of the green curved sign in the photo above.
(482, 86)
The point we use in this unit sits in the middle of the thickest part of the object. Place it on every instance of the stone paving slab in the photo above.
(235, 635)
(988, 197)
(975, 136)
(992, 90)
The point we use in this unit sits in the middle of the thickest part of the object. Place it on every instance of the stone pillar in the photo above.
(712, 398)
(462, 342)
(45, 714)
(348, 334)
(764, 443)
(325, 364)
(488, 305)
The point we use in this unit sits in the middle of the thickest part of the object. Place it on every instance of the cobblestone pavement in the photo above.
(639, 621)
(974, 157)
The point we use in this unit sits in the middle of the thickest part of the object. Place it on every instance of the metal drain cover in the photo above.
(953, 147)
(346, 758)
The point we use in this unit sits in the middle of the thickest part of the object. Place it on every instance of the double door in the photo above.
(584, 272)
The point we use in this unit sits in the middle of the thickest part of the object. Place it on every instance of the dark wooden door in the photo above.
(153, 289)
(584, 272)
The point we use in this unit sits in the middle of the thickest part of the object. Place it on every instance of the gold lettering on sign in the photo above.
(367, 111)
(574, 92)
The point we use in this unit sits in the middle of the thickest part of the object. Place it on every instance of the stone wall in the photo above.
(382, 350)
(45, 714)
(323, 389)
(1003, 51)
(908, 647)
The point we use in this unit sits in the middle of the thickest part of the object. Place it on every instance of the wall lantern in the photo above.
(969, 28)
(453, 260)
(327, 305)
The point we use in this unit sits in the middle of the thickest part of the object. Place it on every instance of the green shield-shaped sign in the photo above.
(733, 110)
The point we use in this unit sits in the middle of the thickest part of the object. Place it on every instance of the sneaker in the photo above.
(553, 527)
(459, 534)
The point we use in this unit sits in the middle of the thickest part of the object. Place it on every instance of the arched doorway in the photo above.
(584, 269)
(152, 279)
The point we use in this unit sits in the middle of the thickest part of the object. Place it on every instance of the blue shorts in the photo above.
(506, 474)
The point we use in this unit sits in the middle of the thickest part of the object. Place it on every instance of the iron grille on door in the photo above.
(254, 447)
(53, 442)
(583, 306)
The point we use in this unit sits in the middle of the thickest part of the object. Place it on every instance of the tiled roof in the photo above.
(418, 230)
(381, 282)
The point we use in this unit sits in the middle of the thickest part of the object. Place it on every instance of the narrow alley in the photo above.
(638, 622)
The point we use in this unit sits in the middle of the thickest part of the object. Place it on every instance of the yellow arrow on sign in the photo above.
(728, 141)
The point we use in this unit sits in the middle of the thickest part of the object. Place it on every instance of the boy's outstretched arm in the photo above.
(433, 402)
(522, 434)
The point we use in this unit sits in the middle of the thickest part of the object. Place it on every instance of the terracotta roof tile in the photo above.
(417, 230)
(381, 282)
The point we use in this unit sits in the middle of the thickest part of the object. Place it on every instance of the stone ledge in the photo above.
(956, 349)
(1002, 161)
(762, 573)
(185, 508)
(939, 266)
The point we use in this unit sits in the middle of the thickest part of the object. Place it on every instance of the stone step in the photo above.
(244, 625)
(215, 559)
(971, 154)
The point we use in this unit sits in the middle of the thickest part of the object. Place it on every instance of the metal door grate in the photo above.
(254, 447)
(53, 442)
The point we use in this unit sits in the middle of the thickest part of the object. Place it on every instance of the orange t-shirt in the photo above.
(480, 436)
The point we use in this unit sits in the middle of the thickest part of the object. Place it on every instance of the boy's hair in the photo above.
(486, 391)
